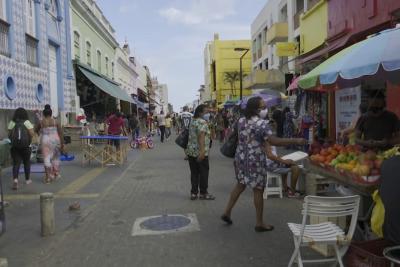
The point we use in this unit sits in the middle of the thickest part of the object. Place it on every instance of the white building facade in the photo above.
(35, 57)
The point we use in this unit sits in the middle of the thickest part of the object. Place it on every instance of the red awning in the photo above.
(326, 48)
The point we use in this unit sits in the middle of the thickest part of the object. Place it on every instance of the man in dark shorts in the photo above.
(378, 128)
(115, 126)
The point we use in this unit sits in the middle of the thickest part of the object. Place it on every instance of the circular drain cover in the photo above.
(165, 223)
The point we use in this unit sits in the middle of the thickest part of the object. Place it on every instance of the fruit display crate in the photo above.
(363, 185)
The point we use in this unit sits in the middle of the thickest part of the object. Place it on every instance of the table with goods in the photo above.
(104, 153)
(350, 166)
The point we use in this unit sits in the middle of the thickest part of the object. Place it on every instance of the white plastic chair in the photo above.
(277, 188)
(328, 232)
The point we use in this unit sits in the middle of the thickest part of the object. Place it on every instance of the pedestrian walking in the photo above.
(168, 125)
(134, 126)
(52, 144)
(197, 152)
(251, 159)
(116, 126)
(161, 125)
(20, 132)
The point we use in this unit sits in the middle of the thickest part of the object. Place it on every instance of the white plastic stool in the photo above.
(276, 179)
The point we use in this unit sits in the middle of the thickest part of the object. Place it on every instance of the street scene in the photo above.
(199, 133)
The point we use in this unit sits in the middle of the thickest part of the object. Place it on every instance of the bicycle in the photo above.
(142, 142)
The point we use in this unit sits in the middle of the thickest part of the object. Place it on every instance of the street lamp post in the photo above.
(240, 49)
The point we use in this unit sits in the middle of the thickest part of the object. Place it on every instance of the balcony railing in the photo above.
(4, 47)
(31, 50)
(278, 32)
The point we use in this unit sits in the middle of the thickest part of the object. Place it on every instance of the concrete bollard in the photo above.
(47, 214)
(3, 262)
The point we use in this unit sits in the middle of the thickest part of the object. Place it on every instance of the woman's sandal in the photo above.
(47, 180)
(226, 219)
(207, 197)
(260, 229)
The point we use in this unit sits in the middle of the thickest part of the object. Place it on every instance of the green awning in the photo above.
(107, 86)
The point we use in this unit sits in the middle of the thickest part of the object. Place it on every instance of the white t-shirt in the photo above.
(161, 119)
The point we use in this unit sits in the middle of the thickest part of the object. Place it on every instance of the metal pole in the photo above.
(241, 79)
(241, 73)
(47, 214)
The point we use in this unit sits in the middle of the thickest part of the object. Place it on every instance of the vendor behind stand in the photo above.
(378, 128)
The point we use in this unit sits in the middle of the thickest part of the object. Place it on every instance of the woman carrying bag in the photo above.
(251, 159)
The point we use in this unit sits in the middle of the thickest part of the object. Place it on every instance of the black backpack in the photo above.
(20, 137)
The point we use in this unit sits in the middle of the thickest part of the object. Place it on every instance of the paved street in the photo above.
(153, 182)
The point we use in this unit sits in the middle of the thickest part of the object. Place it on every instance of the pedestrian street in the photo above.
(152, 183)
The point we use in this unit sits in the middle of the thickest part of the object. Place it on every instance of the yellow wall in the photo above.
(227, 60)
(314, 27)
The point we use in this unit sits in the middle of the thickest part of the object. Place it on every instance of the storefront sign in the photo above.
(347, 103)
(286, 49)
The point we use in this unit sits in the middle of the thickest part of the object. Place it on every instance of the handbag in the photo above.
(228, 149)
(183, 139)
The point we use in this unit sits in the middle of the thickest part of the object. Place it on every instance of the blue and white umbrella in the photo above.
(379, 56)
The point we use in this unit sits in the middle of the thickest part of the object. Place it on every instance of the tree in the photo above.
(231, 78)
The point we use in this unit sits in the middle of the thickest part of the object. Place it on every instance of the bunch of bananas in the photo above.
(395, 151)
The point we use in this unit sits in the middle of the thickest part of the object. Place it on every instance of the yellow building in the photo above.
(314, 26)
(222, 68)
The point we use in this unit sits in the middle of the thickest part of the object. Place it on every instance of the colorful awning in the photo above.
(362, 59)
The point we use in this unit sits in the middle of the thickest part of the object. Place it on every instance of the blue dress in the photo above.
(250, 158)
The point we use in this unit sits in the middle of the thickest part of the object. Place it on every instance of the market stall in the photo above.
(357, 75)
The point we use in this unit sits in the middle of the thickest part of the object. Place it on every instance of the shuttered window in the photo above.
(30, 18)
(88, 53)
(99, 61)
(77, 45)
(3, 9)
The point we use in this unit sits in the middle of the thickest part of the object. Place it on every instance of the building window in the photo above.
(88, 53)
(53, 8)
(31, 50)
(98, 60)
(112, 70)
(107, 66)
(4, 41)
(265, 34)
(3, 9)
(77, 45)
(30, 18)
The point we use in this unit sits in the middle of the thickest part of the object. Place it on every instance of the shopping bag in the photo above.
(228, 149)
(183, 139)
(378, 214)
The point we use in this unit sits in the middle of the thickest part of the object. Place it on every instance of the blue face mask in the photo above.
(206, 116)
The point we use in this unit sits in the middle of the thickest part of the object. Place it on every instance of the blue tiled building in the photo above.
(35, 57)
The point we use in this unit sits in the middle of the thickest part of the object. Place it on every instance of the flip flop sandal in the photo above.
(226, 219)
(260, 229)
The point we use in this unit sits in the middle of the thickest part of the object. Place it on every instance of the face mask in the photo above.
(263, 113)
(206, 116)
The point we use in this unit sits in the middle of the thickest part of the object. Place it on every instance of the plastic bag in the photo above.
(378, 214)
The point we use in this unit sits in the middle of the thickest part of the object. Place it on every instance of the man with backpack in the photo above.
(20, 132)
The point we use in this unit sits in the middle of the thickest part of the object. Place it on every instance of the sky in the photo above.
(169, 36)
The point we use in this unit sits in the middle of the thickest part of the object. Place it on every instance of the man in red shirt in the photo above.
(115, 126)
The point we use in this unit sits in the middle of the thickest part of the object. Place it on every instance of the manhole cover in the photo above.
(165, 223)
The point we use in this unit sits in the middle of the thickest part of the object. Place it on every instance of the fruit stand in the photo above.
(350, 166)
